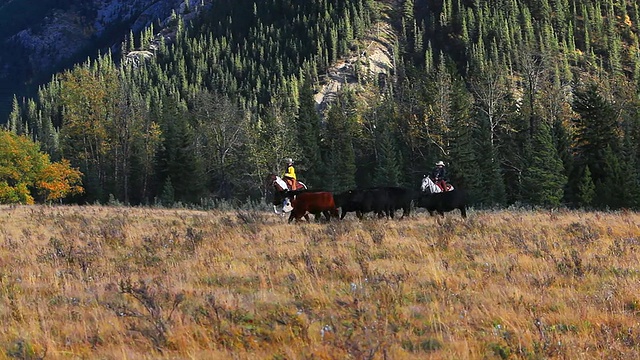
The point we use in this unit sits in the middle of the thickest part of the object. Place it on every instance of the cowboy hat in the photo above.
(440, 163)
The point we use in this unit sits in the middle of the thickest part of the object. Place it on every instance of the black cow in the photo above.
(363, 201)
(400, 198)
(444, 202)
(344, 201)
(380, 200)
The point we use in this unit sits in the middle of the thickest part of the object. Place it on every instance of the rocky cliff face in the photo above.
(70, 32)
(62, 34)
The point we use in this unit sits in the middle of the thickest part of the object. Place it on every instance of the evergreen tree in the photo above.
(177, 158)
(464, 171)
(167, 194)
(338, 151)
(586, 189)
(630, 174)
(491, 187)
(387, 169)
(308, 137)
(610, 191)
(596, 131)
(544, 179)
(16, 123)
(143, 161)
(562, 142)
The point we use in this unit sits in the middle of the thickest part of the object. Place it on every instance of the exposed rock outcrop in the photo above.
(62, 35)
(372, 66)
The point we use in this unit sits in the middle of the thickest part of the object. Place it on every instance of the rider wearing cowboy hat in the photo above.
(439, 174)
(290, 175)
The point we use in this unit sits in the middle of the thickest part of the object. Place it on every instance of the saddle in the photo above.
(292, 184)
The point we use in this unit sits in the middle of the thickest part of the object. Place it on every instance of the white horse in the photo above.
(429, 186)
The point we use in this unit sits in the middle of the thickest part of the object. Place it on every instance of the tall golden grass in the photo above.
(136, 283)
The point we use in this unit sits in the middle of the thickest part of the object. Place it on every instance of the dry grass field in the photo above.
(138, 283)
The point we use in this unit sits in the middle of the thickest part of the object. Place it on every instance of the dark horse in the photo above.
(282, 195)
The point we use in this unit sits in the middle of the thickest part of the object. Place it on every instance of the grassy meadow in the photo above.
(139, 283)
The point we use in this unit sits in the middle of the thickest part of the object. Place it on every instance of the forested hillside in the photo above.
(545, 91)
(531, 102)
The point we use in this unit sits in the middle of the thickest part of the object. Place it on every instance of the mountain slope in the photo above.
(39, 39)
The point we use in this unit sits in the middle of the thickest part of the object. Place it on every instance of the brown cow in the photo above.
(314, 203)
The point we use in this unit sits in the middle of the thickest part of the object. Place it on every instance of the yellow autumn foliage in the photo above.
(27, 174)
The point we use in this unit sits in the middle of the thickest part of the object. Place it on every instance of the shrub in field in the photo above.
(150, 308)
(24, 349)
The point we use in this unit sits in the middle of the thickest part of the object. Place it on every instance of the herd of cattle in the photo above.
(382, 201)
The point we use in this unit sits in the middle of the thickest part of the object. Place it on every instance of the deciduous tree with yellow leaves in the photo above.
(27, 174)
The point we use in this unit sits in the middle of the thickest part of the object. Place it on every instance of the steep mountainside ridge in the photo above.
(67, 33)
(63, 34)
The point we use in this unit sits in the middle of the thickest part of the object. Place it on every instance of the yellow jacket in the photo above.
(291, 172)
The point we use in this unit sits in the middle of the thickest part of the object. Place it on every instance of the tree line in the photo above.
(525, 104)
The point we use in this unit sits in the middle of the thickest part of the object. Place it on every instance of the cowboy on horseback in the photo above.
(286, 188)
(290, 175)
(439, 175)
